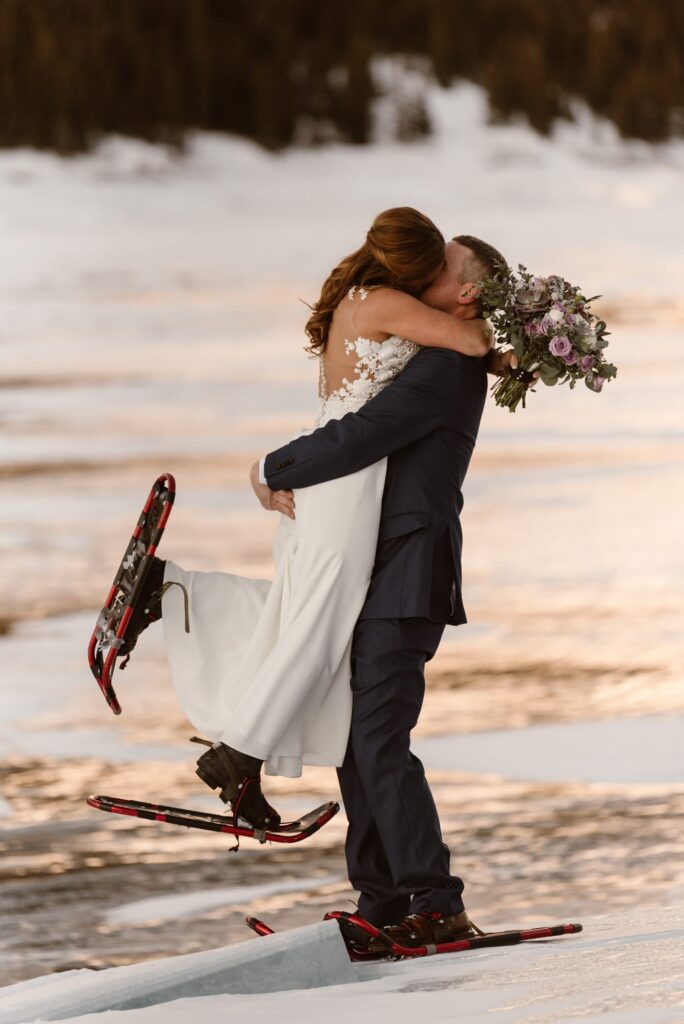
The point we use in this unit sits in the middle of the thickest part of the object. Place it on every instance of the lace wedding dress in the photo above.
(266, 665)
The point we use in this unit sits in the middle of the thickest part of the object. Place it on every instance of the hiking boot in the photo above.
(427, 928)
(238, 778)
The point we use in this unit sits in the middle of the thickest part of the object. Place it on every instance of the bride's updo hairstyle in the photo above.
(402, 247)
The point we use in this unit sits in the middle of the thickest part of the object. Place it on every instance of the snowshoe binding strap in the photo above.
(174, 583)
(237, 777)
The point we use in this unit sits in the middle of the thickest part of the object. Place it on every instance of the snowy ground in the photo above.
(149, 320)
(625, 968)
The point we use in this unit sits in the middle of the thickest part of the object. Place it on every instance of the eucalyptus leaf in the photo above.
(549, 374)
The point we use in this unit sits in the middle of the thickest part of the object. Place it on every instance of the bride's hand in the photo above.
(272, 501)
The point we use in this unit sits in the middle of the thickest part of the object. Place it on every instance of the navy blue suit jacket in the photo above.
(426, 421)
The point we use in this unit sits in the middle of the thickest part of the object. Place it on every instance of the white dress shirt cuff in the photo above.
(262, 475)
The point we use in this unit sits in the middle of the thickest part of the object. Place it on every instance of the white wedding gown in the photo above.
(266, 665)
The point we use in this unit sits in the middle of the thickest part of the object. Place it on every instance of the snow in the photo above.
(201, 901)
(119, 265)
(647, 749)
(308, 957)
(625, 968)
(230, 212)
(130, 259)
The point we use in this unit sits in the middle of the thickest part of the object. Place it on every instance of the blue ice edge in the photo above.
(313, 956)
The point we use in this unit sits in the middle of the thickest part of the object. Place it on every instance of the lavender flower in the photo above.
(560, 346)
(587, 363)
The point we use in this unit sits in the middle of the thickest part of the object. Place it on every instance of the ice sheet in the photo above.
(194, 904)
(647, 749)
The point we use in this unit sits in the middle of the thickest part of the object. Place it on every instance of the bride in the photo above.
(262, 668)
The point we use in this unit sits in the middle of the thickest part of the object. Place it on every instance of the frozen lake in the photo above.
(632, 750)
(151, 322)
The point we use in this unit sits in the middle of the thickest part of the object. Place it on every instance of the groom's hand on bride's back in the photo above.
(272, 501)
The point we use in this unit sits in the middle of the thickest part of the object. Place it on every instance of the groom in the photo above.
(426, 421)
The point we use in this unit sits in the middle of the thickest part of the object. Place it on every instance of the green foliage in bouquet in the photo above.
(547, 322)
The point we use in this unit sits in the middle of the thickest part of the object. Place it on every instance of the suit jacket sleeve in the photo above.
(414, 404)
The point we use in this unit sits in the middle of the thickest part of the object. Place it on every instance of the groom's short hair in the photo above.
(485, 258)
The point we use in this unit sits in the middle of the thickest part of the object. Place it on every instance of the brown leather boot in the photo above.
(428, 928)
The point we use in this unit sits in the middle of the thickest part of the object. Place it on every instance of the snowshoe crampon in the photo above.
(287, 831)
(112, 622)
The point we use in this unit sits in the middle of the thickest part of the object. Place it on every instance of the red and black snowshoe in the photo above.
(286, 832)
(113, 622)
(354, 928)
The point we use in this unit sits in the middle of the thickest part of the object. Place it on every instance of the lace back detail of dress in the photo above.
(376, 365)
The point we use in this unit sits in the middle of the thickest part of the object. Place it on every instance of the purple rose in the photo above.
(560, 346)
(571, 358)
(586, 363)
(594, 382)
(533, 329)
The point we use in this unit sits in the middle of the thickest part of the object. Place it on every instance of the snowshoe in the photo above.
(357, 934)
(114, 634)
(287, 832)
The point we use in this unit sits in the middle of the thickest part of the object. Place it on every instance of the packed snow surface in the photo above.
(626, 968)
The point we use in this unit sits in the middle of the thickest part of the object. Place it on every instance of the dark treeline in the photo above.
(283, 71)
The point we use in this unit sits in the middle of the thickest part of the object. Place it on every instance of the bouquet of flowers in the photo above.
(547, 322)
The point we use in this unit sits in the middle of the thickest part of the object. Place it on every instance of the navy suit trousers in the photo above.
(396, 858)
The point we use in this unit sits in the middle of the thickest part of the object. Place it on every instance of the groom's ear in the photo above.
(469, 292)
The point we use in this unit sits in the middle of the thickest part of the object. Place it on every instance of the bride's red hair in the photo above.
(401, 247)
